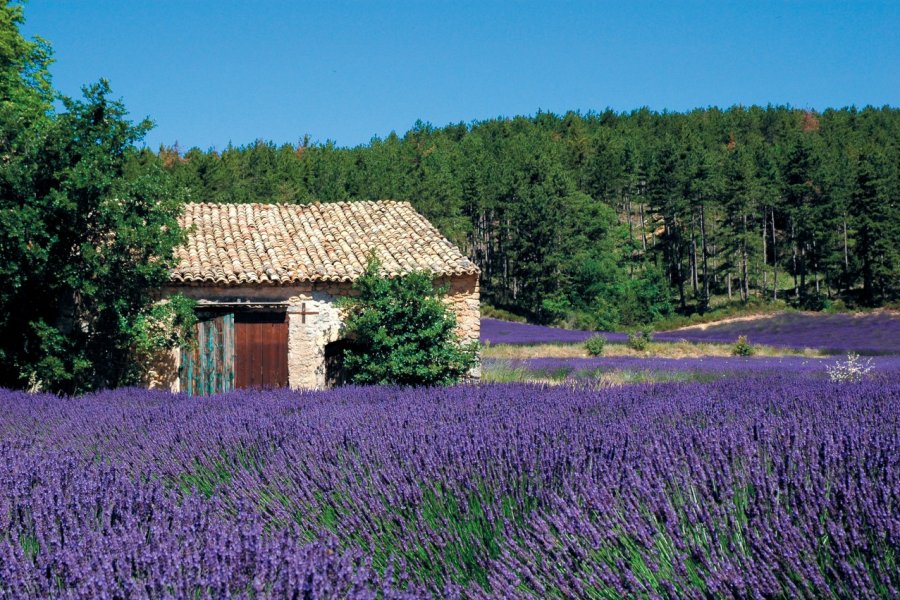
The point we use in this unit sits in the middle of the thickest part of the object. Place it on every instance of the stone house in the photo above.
(267, 278)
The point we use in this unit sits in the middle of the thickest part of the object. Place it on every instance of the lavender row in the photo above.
(496, 331)
(78, 528)
(882, 367)
(768, 487)
(873, 333)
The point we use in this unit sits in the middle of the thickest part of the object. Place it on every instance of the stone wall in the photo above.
(309, 334)
(162, 372)
(462, 296)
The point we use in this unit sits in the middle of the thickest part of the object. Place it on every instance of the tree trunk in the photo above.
(672, 254)
(643, 230)
(694, 282)
(846, 259)
(765, 259)
(705, 255)
(794, 260)
(714, 257)
(868, 270)
(679, 266)
(630, 221)
(626, 208)
(816, 266)
(745, 283)
(803, 250)
(774, 261)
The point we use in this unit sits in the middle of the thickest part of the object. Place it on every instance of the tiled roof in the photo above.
(276, 244)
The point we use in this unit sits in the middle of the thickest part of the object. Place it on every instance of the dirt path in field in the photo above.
(704, 326)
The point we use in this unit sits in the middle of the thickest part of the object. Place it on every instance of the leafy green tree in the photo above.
(26, 92)
(666, 200)
(403, 332)
(875, 213)
(537, 201)
(82, 247)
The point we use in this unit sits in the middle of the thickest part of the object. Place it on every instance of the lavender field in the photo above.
(874, 333)
(766, 487)
(496, 331)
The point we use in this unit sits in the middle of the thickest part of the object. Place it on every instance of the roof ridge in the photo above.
(314, 202)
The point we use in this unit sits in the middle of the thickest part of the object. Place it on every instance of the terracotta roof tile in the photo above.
(276, 244)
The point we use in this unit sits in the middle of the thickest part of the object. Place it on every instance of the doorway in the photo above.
(239, 349)
(335, 373)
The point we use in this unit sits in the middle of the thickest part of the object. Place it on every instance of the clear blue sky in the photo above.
(210, 72)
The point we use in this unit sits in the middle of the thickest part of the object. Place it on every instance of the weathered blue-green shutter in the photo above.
(228, 352)
(208, 367)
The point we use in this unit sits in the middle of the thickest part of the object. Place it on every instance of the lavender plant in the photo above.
(882, 368)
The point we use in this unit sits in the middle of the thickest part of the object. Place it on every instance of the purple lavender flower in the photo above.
(769, 486)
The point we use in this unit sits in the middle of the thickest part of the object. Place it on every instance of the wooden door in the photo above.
(260, 349)
(207, 367)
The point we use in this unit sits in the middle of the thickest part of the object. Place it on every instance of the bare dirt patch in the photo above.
(705, 326)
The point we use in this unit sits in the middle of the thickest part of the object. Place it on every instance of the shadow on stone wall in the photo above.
(162, 371)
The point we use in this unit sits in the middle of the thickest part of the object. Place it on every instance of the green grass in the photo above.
(491, 312)
(29, 545)
(206, 474)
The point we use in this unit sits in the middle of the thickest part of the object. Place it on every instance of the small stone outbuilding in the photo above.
(267, 278)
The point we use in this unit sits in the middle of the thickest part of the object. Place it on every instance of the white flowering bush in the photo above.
(852, 369)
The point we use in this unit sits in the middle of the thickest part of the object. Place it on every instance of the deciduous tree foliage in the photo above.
(82, 246)
(576, 216)
(404, 334)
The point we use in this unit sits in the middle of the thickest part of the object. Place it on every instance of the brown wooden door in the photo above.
(260, 349)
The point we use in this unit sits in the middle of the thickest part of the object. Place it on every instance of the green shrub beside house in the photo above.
(403, 332)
